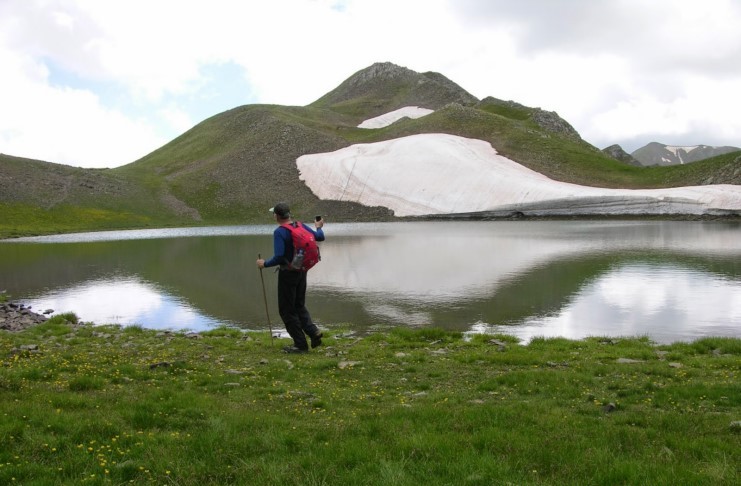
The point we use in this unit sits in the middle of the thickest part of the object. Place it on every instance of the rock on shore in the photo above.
(15, 317)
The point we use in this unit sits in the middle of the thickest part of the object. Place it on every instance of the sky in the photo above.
(101, 83)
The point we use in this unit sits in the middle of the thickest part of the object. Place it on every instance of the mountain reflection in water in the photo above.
(668, 280)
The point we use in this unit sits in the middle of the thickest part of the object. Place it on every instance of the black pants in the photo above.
(292, 307)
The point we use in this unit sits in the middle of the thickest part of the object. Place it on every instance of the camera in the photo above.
(317, 217)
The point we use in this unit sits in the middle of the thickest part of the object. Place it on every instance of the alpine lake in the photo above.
(667, 280)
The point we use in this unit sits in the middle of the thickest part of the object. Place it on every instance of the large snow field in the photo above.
(430, 174)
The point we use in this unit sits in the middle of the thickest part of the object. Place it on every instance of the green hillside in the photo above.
(234, 166)
(40, 197)
(231, 167)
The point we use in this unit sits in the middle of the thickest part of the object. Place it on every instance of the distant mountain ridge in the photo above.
(656, 153)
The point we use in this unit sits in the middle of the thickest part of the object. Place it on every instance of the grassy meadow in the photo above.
(84, 404)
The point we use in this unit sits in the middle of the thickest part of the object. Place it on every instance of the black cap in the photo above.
(282, 210)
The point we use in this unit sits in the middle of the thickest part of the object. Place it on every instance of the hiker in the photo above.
(292, 281)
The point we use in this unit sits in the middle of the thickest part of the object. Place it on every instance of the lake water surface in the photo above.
(671, 281)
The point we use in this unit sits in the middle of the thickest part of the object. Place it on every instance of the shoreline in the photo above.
(16, 317)
(480, 216)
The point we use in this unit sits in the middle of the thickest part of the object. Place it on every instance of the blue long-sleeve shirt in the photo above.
(283, 245)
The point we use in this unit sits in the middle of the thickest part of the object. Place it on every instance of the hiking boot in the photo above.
(294, 350)
(316, 341)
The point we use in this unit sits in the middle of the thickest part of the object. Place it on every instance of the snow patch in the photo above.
(431, 174)
(394, 116)
(675, 148)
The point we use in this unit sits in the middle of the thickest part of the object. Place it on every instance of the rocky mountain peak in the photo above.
(550, 121)
(547, 120)
(383, 70)
(392, 87)
(617, 153)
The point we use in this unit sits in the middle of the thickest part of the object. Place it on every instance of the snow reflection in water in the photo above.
(669, 280)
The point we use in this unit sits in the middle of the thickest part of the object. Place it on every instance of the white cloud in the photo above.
(623, 71)
(137, 71)
(177, 118)
(685, 118)
(65, 124)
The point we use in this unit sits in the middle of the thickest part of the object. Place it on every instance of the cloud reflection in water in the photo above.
(640, 299)
(125, 301)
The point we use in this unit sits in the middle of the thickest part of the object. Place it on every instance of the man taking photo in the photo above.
(293, 266)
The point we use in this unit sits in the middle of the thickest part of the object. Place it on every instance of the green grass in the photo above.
(514, 111)
(99, 405)
(25, 219)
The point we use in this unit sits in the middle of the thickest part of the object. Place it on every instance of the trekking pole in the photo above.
(265, 298)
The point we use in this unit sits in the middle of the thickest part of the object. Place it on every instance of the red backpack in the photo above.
(305, 250)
